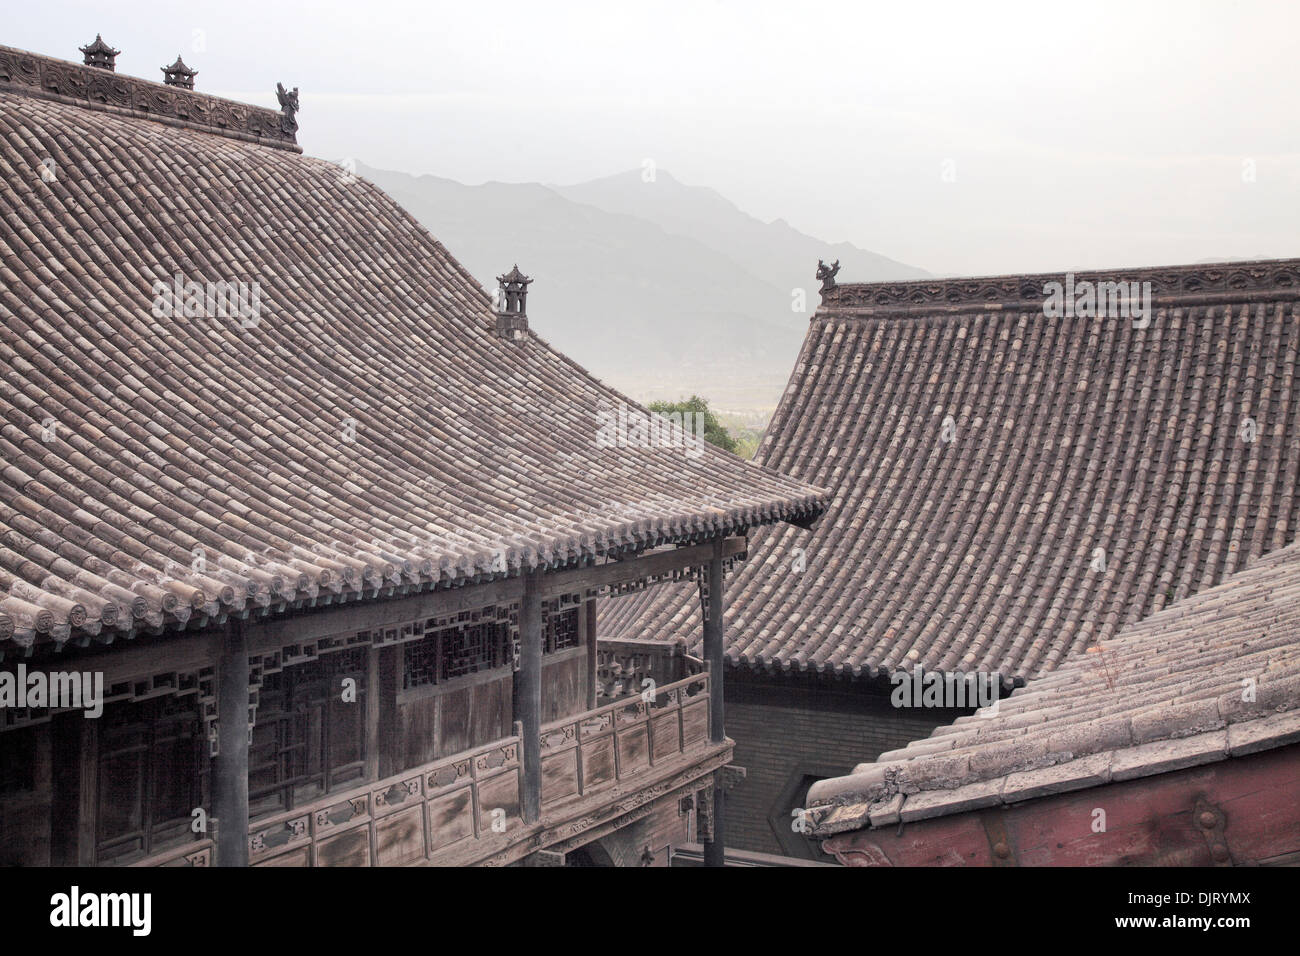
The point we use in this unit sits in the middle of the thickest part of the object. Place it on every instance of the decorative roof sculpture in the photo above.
(288, 108)
(178, 74)
(827, 275)
(100, 54)
(512, 303)
(96, 85)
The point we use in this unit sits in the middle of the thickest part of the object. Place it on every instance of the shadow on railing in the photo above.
(592, 750)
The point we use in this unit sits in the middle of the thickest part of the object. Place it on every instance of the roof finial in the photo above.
(512, 303)
(100, 54)
(827, 275)
(178, 74)
(288, 107)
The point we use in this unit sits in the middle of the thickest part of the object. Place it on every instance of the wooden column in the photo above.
(389, 742)
(713, 643)
(530, 694)
(588, 613)
(714, 634)
(373, 696)
(230, 775)
(74, 804)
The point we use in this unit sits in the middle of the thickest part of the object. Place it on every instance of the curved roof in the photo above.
(364, 428)
(1008, 487)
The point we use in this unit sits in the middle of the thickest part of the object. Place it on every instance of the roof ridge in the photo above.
(1194, 283)
(89, 87)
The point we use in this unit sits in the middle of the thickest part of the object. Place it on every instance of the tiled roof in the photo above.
(980, 453)
(1213, 677)
(366, 429)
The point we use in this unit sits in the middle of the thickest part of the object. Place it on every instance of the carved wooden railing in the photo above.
(198, 853)
(404, 819)
(623, 665)
(590, 751)
(437, 810)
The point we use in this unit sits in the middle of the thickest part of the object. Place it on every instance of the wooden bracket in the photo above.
(730, 776)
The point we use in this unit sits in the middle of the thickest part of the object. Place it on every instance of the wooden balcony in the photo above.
(465, 809)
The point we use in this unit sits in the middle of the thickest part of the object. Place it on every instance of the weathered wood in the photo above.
(388, 680)
(1149, 821)
(75, 779)
(374, 694)
(564, 675)
(270, 635)
(530, 695)
(587, 622)
(646, 565)
(714, 639)
(177, 654)
(230, 773)
(715, 849)
(714, 642)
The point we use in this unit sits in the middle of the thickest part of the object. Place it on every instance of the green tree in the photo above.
(714, 433)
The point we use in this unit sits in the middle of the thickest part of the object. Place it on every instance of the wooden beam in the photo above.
(530, 695)
(230, 774)
(179, 654)
(272, 634)
(625, 572)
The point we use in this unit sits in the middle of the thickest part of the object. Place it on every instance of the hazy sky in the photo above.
(1088, 135)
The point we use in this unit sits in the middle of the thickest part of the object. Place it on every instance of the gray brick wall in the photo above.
(787, 728)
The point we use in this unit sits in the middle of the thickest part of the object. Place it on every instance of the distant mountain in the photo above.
(652, 296)
(775, 251)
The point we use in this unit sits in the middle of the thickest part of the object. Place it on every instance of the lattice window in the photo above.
(420, 662)
(465, 644)
(468, 650)
(561, 630)
(153, 772)
(308, 740)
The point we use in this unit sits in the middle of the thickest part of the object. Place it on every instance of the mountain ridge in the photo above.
(642, 287)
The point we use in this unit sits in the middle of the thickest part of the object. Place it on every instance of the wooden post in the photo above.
(713, 644)
(530, 694)
(230, 775)
(714, 638)
(374, 693)
(588, 612)
(75, 749)
(389, 742)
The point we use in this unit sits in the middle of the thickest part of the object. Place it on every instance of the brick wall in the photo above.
(789, 728)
